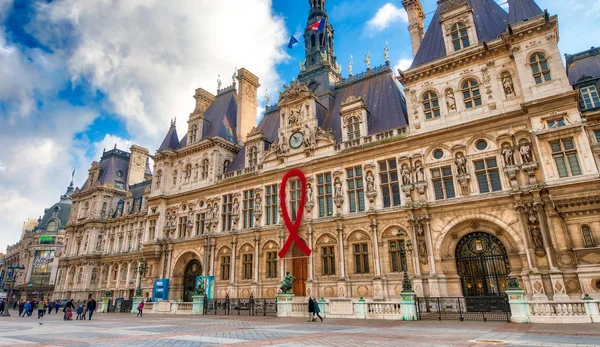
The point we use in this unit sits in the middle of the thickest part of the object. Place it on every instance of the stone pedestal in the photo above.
(408, 305)
(104, 307)
(198, 305)
(591, 308)
(136, 302)
(361, 309)
(519, 307)
(284, 305)
(558, 286)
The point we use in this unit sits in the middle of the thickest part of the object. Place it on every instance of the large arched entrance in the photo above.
(482, 264)
(192, 271)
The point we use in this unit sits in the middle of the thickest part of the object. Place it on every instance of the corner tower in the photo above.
(320, 71)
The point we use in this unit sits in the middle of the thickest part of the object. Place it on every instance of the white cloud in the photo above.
(403, 64)
(385, 16)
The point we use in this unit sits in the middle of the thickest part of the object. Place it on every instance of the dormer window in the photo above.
(431, 105)
(353, 128)
(460, 36)
(539, 68)
(226, 164)
(589, 97)
(471, 94)
(252, 156)
(193, 133)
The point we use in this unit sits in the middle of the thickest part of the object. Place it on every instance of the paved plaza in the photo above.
(172, 331)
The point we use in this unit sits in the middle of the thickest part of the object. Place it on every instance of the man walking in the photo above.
(91, 307)
(3, 306)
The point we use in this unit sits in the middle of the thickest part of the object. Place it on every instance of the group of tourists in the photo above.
(26, 308)
(313, 309)
(83, 311)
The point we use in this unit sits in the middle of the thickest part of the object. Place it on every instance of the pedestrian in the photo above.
(91, 307)
(41, 309)
(56, 306)
(28, 309)
(317, 310)
(311, 309)
(50, 306)
(79, 312)
(140, 309)
(21, 307)
(3, 306)
(68, 310)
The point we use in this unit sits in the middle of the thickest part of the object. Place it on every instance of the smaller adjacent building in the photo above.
(38, 251)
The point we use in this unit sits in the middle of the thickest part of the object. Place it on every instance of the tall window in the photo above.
(193, 133)
(361, 258)
(487, 174)
(247, 266)
(356, 191)
(471, 94)
(295, 197)
(397, 260)
(589, 97)
(182, 226)
(226, 212)
(390, 189)
(252, 156)
(119, 250)
(271, 264)
(225, 266)
(200, 223)
(271, 202)
(539, 68)
(443, 183)
(226, 164)
(152, 229)
(431, 105)
(565, 157)
(588, 239)
(204, 174)
(328, 259)
(325, 194)
(248, 208)
(460, 36)
(353, 128)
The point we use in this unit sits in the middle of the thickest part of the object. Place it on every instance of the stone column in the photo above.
(212, 256)
(539, 208)
(312, 254)
(415, 254)
(256, 259)
(375, 241)
(233, 261)
(520, 208)
(340, 232)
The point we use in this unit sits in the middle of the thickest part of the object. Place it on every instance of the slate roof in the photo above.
(221, 116)
(522, 10)
(583, 64)
(171, 140)
(490, 21)
(59, 212)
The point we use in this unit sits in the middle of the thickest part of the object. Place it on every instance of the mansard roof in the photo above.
(171, 140)
(490, 21)
(114, 166)
(220, 117)
(584, 65)
(59, 212)
(522, 10)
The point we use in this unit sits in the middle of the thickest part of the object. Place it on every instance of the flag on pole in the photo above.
(293, 41)
(320, 25)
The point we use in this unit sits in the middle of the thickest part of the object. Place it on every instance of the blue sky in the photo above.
(79, 76)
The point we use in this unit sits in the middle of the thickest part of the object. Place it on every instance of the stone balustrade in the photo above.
(571, 311)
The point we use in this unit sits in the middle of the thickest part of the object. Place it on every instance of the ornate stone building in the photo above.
(484, 170)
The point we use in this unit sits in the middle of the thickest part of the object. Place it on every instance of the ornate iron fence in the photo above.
(480, 308)
(246, 306)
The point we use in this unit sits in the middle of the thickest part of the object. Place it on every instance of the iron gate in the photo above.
(247, 306)
(478, 308)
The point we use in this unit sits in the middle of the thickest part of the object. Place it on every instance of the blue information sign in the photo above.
(161, 289)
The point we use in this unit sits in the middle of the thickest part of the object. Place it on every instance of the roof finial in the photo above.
(115, 145)
(350, 65)
(386, 52)
(219, 83)
(234, 76)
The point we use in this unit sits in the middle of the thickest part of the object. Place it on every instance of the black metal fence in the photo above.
(480, 308)
(120, 306)
(247, 306)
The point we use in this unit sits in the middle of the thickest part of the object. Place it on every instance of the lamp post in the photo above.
(141, 268)
(12, 269)
(405, 248)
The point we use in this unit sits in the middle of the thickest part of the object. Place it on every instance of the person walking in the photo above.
(91, 307)
(56, 306)
(68, 310)
(21, 307)
(50, 306)
(28, 309)
(79, 312)
(41, 309)
(317, 310)
(311, 309)
(3, 306)
(140, 309)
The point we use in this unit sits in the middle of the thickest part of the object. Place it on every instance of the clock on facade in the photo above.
(296, 140)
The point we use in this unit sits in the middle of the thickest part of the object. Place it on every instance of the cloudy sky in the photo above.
(80, 76)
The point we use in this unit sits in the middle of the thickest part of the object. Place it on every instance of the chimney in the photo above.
(416, 17)
(137, 165)
(246, 104)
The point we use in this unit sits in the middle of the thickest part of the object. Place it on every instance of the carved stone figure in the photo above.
(419, 173)
(536, 237)
(309, 137)
(338, 188)
(258, 202)
(507, 84)
(370, 182)
(309, 193)
(303, 65)
(350, 66)
(219, 83)
(288, 283)
(525, 151)
(461, 164)
(386, 52)
(235, 210)
(422, 248)
(368, 60)
(406, 180)
(450, 100)
(507, 153)
(216, 210)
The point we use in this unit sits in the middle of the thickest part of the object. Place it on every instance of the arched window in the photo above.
(588, 239)
(460, 36)
(226, 164)
(188, 173)
(313, 41)
(539, 68)
(253, 156)
(194, 131)
(471, 95)
(52, 226)
(431, 105)
(204, 169)
(353, 128)
(158, 178)
(175, 177)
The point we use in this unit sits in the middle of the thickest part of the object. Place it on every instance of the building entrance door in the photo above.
(192, 271)
(299, 271)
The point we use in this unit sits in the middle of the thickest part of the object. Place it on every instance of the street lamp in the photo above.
(405, 247)
(141, 268)
(12, 269)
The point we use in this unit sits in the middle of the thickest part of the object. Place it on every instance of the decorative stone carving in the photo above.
(507, 84)
(406, 179)
(525, 151)
(419, 172)
(310, 141)
(450, 100)
(508, 155)
(461, 164)
(371, 191)
(295, 91)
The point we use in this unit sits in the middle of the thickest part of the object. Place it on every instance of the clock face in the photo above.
(296, 140)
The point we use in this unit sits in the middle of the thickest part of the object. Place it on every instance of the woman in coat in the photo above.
(311, 310)
(317, 310)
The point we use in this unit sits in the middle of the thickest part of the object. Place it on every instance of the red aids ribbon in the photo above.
(293, 227)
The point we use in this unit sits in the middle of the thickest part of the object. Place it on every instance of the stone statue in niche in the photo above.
(338, 188)
(507, 84)
(525, 151)
(536, 236)
(235, 210)
(370, 182)
(450, 100)
(419, 172)
(406, 180)
(310, 141)
(422, 248)
(309, 193)
(508, 154)
(258, 202)
(461, 164)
